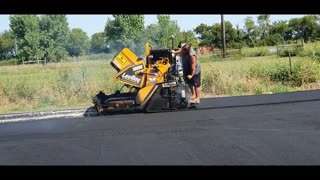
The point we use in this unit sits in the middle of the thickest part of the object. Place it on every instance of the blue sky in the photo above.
(95, 23)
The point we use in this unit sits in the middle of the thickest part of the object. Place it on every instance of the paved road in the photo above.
(237, 131)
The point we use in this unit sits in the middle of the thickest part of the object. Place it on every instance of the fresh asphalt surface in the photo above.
(279, 129)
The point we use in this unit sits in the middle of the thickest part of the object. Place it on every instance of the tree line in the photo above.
(33, 37)
(264, 33)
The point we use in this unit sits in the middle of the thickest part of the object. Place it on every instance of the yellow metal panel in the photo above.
(124, 59)
(118, 76)
(163, 68)
(147, 50)
(142, 94)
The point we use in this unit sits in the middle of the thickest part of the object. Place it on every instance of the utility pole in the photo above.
(223, 33)
(172, 38)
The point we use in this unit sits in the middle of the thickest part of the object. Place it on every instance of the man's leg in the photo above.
(190, 83)
(197, 87)
(193, 91)
(197, 93)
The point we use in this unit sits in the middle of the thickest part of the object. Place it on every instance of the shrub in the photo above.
(10, 62)
(258, 89)
(258, 70)
(301, 73)
(279, 72)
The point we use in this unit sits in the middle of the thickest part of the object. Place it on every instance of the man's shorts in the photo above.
(195, 80)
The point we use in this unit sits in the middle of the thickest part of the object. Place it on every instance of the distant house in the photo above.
(206, 49)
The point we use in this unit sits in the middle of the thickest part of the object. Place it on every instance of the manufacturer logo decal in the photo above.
(131, 78)
(136, 68)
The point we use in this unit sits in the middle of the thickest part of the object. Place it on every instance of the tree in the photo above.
(160, 34)
(217, 36)
(167, 28)
(7, 45)
(274, 39)
(125, 31)
(205, 34)
(77, 42)
(263, 29)
(98, 43)
(152, 33)
(240, 37)
(189, 37)
(305, 28)
(232, 37)
(27, 33)
(252, 32)
(54, 29)
(211, 35)
(281, 28)
(264, 25)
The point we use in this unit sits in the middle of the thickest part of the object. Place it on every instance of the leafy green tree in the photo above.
(54, 29)
(232, 37)
(27, 33)
(211, 35)
(274, 39)
(167, 28)
(98, 43)
(152, 33)
(160, 36)
(161, 33)
(205, 34)
(190, 37)
(240, 37)
(7, 45)
(252, 32)
(282, 28)
(264, 26)
(77, 42)
(217, 36)
(305, 28)
(30, 46)
(125, 31)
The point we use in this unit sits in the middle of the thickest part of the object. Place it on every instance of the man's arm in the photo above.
(176, 52)
(193, 66)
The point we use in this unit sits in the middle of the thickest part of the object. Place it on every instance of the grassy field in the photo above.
(68, 85)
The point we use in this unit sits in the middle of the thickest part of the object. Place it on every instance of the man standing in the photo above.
(192, 72)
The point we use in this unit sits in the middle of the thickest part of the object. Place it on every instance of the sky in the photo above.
(95, 23)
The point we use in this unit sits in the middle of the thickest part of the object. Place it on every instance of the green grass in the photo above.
(256, 52)
(54, 86)
(66, 85)
(253, 75)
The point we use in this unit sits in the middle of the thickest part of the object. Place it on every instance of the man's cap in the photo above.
(181, 45)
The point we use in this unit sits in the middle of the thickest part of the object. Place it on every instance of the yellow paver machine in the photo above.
(153, 84)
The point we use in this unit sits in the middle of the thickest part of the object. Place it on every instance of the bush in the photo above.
(210, 80)
(284, 52)
(261, 52)
(311, 50)
(10, 62)
(258, 89)
(301, 73)
(279, 72)
(255, 52)
(259, 71)
(16, 89)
